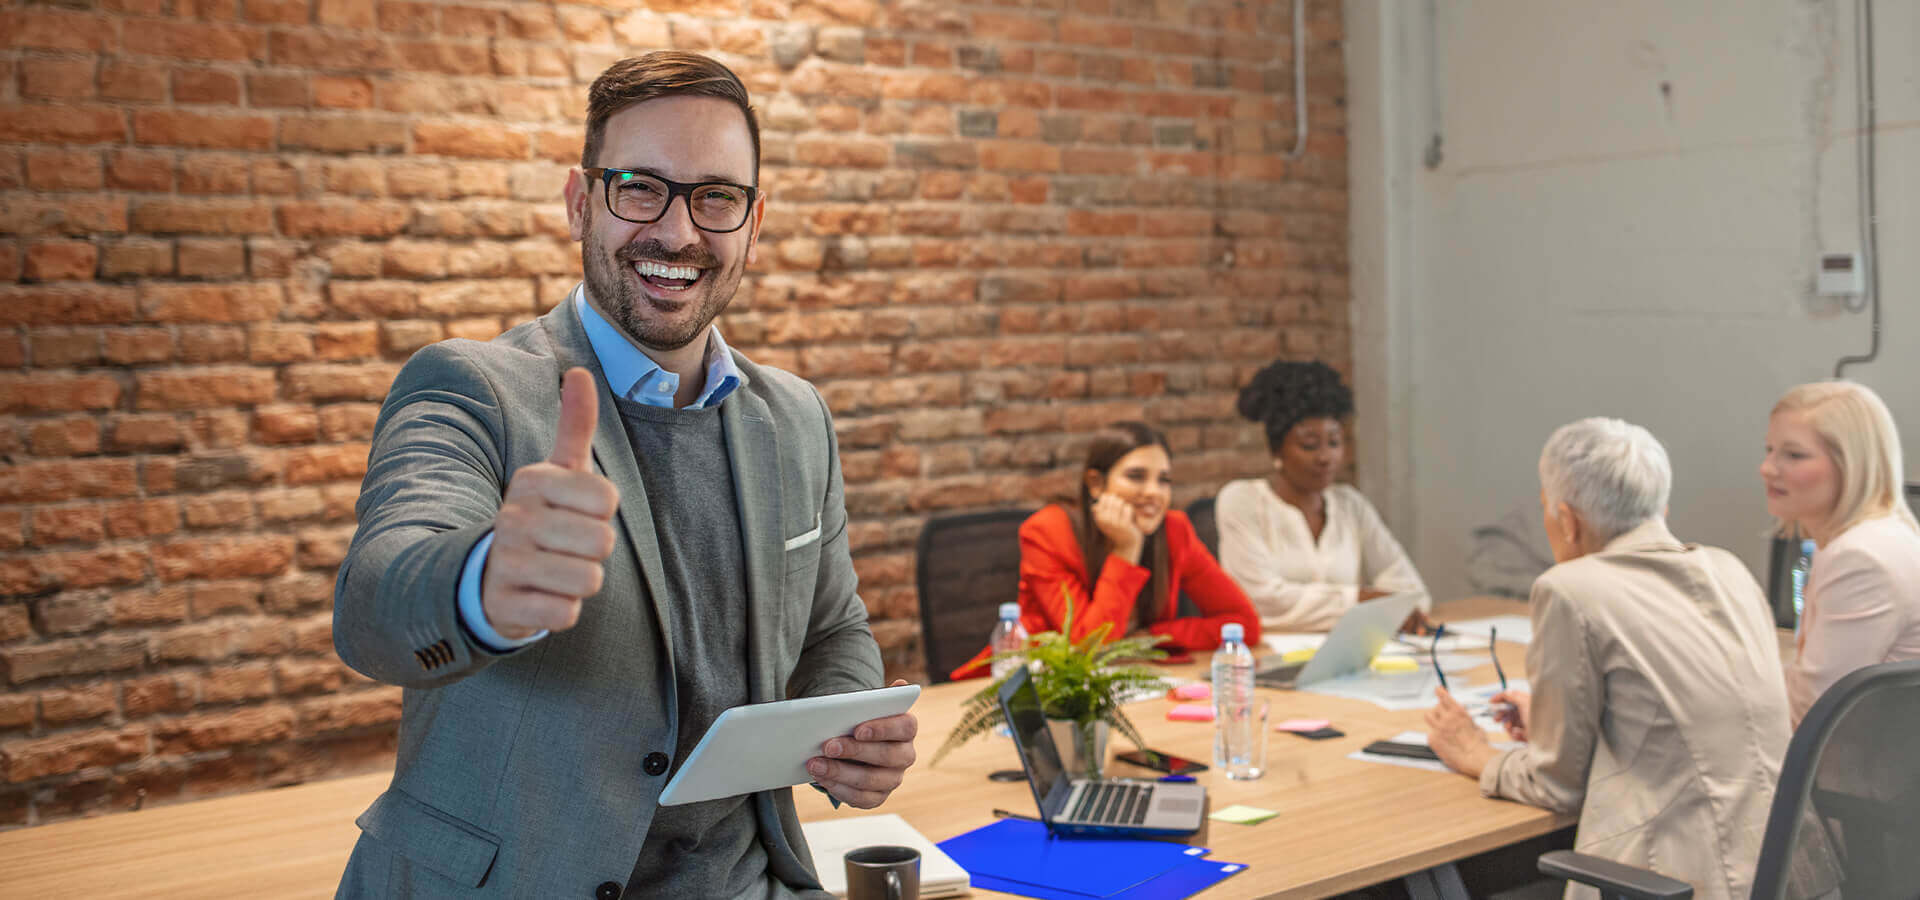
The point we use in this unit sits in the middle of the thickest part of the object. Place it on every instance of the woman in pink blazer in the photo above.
(1833, 473)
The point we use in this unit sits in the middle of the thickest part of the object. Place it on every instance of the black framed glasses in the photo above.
(642, 198)
(1493, 650)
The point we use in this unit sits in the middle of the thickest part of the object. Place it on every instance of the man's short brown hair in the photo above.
(662, 73)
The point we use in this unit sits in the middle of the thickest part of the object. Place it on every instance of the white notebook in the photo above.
(831, 840)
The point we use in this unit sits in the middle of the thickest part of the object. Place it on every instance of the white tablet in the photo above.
(763, 746)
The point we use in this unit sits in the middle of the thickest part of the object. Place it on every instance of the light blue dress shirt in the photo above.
(630, 374)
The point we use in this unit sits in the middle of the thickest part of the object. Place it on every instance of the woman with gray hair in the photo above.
(1658, 713)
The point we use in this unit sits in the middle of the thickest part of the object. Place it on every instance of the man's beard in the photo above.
(620, 299)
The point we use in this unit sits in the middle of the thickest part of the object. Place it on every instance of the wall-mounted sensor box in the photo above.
(1841, 275)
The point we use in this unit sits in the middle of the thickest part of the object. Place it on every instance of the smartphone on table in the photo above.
(1162, 762)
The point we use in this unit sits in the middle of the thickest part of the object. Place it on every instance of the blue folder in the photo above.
(1182, 881)
(1021, 857)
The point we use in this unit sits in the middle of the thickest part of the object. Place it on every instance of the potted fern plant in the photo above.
(1080, 685)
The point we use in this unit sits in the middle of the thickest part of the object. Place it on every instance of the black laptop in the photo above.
(1082, 808)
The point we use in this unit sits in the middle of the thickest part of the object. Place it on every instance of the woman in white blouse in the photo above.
(1833, 471)
(1303, 548)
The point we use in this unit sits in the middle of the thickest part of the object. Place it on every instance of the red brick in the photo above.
(16, 711)
(142, 518)
(210, 302)
(127, 346)
(322, 548)
(213, 173)
(61, 260)
(360, 709)
(348, 421)
(223, 730)
(206, 86)
(843, 152)
(362, 381)
(269, 90)
(203, 388)
(148, 607)
(76, 656)
(291, 505)
(234, 684)
(203, 216)
(13, 536)
(212, 344)
(73, 436)
(121, 80)
(79, 704)
(72, 214)
(37, 482)
(58, 30)
(56, 79)
(184, 40)
(1019, 156)
(488, 141)
(34, 758)
(64, 123)
(368, 219)
(212, 258)
(219, 428)
(474, 329)
(310, 676)
(192, 129)
(346, 340)
(464, 298)
(286, 424)
(310, 465)
(357, 14)
(342, 134)
(144, 432)
(140, 170)
(41, 392)
(1012, 26)
(67, 524)
(299, 592)
(340, 92)
(226, 557)
(216, 511)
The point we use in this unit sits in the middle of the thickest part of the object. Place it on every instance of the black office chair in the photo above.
(1846, 815)
(1201, 513)
(968, 565)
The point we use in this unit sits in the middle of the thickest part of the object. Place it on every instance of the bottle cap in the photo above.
(1233, 631)
(1009, 611)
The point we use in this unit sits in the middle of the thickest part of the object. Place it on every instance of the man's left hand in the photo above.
(1455, 738)
(863, 769)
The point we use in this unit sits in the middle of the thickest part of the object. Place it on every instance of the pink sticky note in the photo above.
(1302, 725)
(1191, 712)
(1199, 690)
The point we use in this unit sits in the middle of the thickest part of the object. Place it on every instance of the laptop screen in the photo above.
(1021, 703)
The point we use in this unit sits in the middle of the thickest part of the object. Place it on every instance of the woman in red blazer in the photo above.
(1146, 555)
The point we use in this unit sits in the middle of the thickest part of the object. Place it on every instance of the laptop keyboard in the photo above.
(1113, 803)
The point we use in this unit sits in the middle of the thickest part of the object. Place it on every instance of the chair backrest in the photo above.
(1201, 513)
(1846, 814)
(968, 565)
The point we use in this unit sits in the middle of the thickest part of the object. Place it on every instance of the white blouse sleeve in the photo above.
(1383, 563)
(1249, 553)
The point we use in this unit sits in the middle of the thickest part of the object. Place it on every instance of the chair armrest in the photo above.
(1612, 878)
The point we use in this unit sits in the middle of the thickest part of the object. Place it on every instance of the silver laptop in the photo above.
(1079, 807)
(1355, 640)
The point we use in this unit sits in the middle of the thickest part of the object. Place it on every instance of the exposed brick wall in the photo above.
(224, 224)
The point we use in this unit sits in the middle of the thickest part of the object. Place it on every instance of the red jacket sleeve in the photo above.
(1216, 593)
(1052, 572)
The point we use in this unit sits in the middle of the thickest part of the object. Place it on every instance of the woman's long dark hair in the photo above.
(1106, 449)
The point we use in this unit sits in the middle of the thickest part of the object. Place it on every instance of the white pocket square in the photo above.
(795, 543)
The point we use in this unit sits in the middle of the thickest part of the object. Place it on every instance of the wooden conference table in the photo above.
(1342, 824)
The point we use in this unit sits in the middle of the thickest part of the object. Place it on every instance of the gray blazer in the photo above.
(537, 773)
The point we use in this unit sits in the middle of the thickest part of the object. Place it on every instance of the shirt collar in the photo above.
(635, 376)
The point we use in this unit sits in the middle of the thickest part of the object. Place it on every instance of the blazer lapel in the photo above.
(614, 453)
(753, 454)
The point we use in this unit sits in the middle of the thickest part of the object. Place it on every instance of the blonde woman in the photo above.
(1833, 471)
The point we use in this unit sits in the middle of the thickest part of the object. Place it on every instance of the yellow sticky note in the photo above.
(1242, 815)
(1392, 664)
(1294, 656)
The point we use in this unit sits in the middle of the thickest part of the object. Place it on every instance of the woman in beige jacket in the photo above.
(1657, 713)
(1833, 472)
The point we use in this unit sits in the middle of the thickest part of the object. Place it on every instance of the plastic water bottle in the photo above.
(1007, 635)
(1233, 690)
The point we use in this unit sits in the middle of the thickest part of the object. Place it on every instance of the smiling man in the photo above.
(583, 540)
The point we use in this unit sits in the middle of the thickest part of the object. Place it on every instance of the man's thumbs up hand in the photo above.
(554, 527)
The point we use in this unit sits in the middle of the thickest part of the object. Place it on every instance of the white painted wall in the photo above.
(1592, 245)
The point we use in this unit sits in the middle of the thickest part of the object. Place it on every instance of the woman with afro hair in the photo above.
(1304, 548)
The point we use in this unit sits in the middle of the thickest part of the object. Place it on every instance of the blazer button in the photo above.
(608, 890)
(655, 763)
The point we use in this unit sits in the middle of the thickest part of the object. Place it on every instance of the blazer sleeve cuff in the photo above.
(1490, 776)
